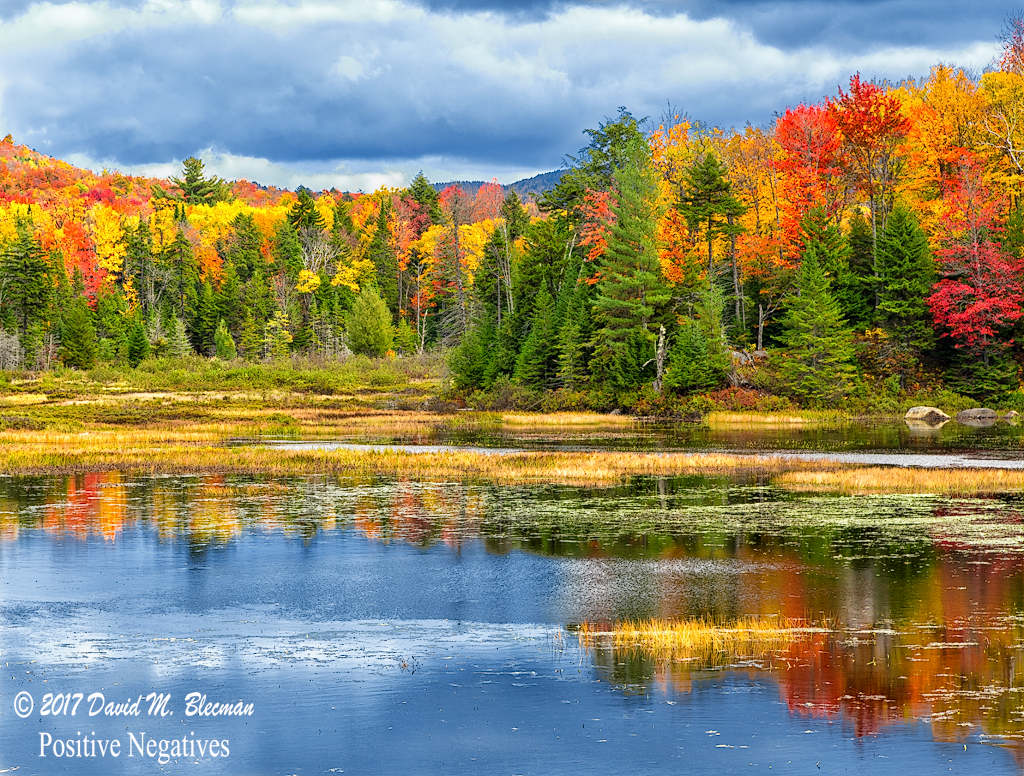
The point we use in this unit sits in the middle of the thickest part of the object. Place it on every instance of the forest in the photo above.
(864, 249)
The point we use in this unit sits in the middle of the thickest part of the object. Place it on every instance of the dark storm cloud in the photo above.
(376, 81)
(852, 24)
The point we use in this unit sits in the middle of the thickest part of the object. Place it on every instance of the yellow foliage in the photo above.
(325, 207)
(108, 238)
(308, 282)
(11, 213)
(353, 274)
(161, 225)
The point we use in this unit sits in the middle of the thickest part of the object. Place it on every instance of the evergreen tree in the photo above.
(287, 251)
(278, 340)
(383, 257)
(537, 364)
(204, 324)
(229, 297)
(303, 214)
(369, 324)
(631, 293)
(194, 187)
(178, 343)
(690, 369)
(245, 247)
(594, 168)
(906, 274)
(427, 197)
(862, 266)
(708, 204)
(834, 255)
(817, 362)
(224, 344)
(253, 334)
(78, 336)
(25, 267)
(138, 344)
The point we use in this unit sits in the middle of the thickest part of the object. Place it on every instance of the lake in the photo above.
(242, 625)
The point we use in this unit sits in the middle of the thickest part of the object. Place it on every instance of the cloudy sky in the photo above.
(359, 93)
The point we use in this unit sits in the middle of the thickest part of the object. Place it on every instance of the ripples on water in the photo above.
(381, 625)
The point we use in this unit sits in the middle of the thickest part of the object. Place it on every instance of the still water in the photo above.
(383, 626)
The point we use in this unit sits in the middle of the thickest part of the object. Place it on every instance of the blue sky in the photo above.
(362, 93)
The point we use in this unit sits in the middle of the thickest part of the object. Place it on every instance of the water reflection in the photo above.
(929, 592)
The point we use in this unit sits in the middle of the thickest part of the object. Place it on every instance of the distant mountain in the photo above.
(528, 188)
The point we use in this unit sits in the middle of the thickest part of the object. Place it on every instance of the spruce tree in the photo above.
(833, 253)
(383, 257)
(287, 251)
(138, 344)
(862, 265)
(224, 344)
(427, 197)
(369, 327)
(278, 341)
(537, 364)
(709, 205)
(78, 336)
(906, 274)
(178, 343)
(245, 247)
(229, 297)
(689, 367)
(303, 214)
(631, 292)
(204, 324)
(816, 364)
(25, 268)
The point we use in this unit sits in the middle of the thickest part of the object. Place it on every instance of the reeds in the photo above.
(137, 451)
(894, 479)
(771, 419)
(701, 638)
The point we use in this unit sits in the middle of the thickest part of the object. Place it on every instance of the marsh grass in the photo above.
(699, 639)
(777, 419)
(856, 480)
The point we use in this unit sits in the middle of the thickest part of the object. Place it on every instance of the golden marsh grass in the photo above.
(700, 638)
(892, 479)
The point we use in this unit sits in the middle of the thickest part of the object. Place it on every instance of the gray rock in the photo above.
(979, 417)
(979, 413)
(930, 415)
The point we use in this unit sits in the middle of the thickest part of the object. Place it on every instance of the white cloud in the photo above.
(464, 95)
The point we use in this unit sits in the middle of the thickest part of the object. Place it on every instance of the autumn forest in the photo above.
(865, 249)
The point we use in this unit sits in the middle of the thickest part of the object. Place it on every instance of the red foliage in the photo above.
(597, 220)
(79, 253)
(980, 292)
(812, 173)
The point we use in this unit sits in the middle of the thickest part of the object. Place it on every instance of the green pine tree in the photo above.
(78, 336)
(287, 250)
(224, 344)
(245, 247)
(383, 257)
(194, 187)
(178, 343)
(138, 344)
(303, 214)
(862, 266)
(278, 342)
(817, 363)
(253, 334)
(204, 324)
(25, 268)
(537, 364)
(906, 271)
(369, 327)
(427, 197)
(689, 367)
(631, 293)
(709, 205)
(833, 253)
(229, 297)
